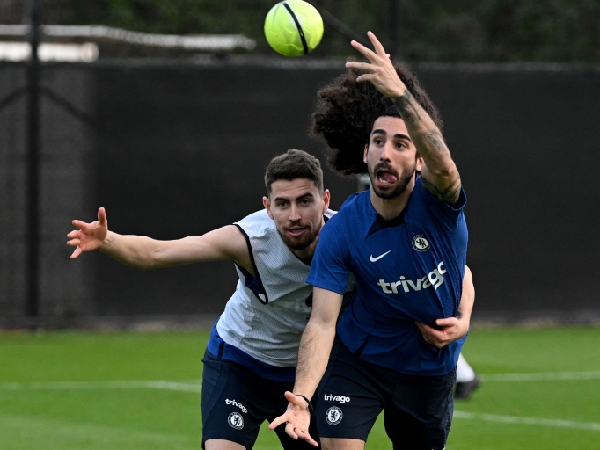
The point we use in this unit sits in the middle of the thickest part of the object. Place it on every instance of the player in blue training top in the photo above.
(405, 241)
(251, 354)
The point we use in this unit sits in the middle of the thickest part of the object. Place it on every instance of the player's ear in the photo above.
(267, 205)
(419, 165)
(365, 153)
(326, 199)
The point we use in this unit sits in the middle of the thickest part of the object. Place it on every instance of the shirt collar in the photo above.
(378, 223)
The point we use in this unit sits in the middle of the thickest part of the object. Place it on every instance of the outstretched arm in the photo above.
(313, 355)
(453, 328)
(439, 173)
(146, 253)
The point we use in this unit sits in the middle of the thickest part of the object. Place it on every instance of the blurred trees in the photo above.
(416, 30)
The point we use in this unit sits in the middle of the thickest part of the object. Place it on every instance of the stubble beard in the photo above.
(300, 243)
(403, 180)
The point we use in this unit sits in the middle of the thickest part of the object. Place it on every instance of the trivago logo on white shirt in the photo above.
(434, 278)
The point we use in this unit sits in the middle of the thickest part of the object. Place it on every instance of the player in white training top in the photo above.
(251, 356)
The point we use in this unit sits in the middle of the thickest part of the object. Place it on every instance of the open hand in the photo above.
(297, 417)
(381, 71)
(88, 236)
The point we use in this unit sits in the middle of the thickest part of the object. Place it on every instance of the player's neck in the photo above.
(391, 208)
(306, 253)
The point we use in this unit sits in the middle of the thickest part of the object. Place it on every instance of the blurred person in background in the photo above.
(467, 381)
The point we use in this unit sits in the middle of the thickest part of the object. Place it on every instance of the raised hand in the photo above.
(297, 417)
(88, 236)
(381, 70)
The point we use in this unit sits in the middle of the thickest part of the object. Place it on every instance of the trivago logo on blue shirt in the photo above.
(434, 278)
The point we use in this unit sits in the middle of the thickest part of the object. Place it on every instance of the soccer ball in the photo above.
(293, 27)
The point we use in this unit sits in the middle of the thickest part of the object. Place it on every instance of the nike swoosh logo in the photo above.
(372, 259)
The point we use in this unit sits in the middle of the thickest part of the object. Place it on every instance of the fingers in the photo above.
(367, 52)
(74, 234)
(78, 223)
(291, 431)
(102, 216)
(361, 48)
(310, 440)
(452, 329)
(277, 421)
(298, 433)
(292, 398)
(359, 65)
(362, 66)
(296, 427)
(379, 50)
(446, 322)
(76, 253)
(426, 329)
(431, 335)
(423, 326)
(437, 335)
(433, 341)
(74, 242)
(376, 44)
(438, 344)
(366, 77)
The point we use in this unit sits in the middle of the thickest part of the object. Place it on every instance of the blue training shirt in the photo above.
(407, 269)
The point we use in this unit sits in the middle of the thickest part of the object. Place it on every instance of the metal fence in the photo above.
(175, 149)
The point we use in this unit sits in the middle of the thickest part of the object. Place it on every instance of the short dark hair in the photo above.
(294, 164)
(346, 110)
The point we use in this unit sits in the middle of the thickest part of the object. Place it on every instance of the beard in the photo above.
(398, 188)
(300, 242)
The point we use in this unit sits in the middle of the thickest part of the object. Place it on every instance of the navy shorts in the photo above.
(236, 401)
(352, 393)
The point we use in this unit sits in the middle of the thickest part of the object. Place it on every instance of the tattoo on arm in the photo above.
(406, 107)
(437, 141)
(109, 240)
(434, 148)
(449, 195)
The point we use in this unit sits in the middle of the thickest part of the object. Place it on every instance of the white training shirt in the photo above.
(268, 329)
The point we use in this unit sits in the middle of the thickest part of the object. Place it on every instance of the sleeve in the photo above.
(329, 268)
(445, 213)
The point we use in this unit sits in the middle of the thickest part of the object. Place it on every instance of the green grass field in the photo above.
(78, 390)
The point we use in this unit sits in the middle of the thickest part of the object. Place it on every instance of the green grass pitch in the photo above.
(93, 391)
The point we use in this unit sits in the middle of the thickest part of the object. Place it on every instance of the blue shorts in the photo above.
(236, 401)
(352, 394)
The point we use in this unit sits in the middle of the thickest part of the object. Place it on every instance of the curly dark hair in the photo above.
(346, 110)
